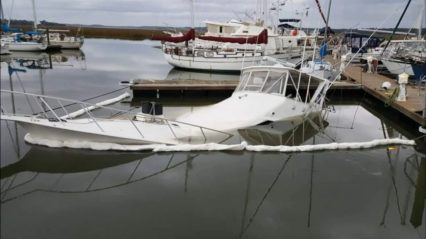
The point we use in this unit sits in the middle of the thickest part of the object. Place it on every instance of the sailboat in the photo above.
(32, 41)
(410, 55)
(230, 46)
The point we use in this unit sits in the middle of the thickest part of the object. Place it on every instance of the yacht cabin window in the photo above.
(271, 82)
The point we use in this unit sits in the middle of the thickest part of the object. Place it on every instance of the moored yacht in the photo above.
(231, 46)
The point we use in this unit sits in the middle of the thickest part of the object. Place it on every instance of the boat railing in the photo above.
(54, 109)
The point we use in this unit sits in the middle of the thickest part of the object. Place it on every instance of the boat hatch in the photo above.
(264, 81)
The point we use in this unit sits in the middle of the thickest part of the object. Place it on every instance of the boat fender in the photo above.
(386, 85)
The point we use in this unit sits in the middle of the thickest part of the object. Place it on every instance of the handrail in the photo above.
(35, 96)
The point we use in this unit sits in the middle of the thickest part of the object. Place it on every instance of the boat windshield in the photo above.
(271, 82)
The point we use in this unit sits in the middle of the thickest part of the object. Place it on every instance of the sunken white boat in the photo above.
(264, 94)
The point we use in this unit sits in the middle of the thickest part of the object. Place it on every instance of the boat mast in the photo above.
(1, 11)
(328, 17)
(192, 14)
(397, 25)
(11, 11)
(34, 15)
(420, 20)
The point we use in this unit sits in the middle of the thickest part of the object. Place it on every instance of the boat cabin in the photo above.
(274, 80)
(264, 80)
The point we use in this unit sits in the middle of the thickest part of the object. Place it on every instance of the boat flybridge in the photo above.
(262, 95)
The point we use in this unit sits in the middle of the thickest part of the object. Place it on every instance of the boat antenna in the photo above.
(397, 25)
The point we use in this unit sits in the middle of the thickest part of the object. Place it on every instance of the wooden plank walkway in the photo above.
(371, 83)
(210, 85)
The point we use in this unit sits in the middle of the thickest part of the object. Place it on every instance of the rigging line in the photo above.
(396, 27)
(15, 147)
(320, 11)
(22, 86)
(117, 185)
(392, 171)
(247, 193)
(356, 110)
(311, 183)
(10, 185)
(59, 107)
(25, 182)
(251, 219)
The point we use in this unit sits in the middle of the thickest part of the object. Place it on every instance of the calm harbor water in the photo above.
(74, 193)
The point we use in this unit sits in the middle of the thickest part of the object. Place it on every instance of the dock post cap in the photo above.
(403, 78)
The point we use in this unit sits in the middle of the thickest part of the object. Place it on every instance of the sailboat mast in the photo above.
(34, 15)
(422, 19)
(328, 17)
(192, 14)
(1, 11)
(397, 25)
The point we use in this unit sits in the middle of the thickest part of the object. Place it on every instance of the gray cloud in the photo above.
(345, 13)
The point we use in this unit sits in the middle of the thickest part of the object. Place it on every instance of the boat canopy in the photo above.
(190, 35)
(265, 80)
(286, 25)
(262, 38)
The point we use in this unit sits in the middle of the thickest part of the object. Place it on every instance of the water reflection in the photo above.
(46, 60)
(43, 162)
(292, 132)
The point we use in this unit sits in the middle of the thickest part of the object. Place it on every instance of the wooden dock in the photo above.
(211, 85)
(371, 84)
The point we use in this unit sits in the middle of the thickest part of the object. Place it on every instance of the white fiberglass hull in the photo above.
(113, 131)
(27, 46)
(211, 64)
(396, 67)
(245, 109)
(68, 44)
(4, 50)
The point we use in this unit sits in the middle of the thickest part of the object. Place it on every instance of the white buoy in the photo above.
(402, 81)
(386, 85)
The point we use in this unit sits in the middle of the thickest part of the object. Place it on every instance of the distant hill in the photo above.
(133, 32)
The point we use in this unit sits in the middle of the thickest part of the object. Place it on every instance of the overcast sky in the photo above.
(344, 13)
